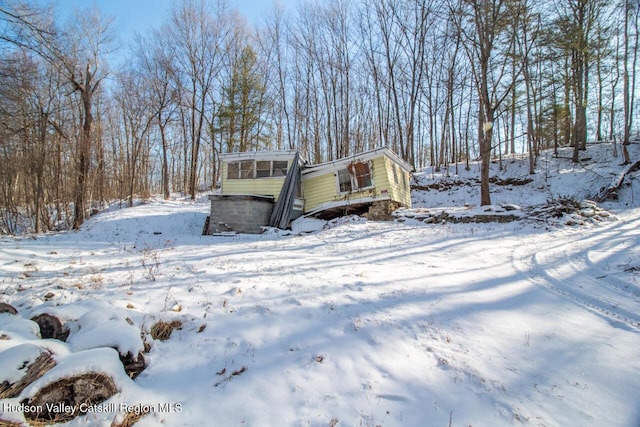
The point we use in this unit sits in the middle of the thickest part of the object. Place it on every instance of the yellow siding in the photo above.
(404, 195)
(262, 186)
(319, 190)
(380, 177)
(399, 190)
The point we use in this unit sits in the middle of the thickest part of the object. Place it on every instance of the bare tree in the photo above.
(631, 12)
(29, 102)
(155, 63)
(78, 52)
(136, 118)
(483, 24)
(198, 36)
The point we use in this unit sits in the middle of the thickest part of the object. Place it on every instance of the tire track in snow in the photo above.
(566, 268)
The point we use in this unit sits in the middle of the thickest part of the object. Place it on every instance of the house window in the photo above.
(356, 176)
(263, 169)
(279, 168)
(233, 170)
(249, 169)
(246, 169)
(344, 181)
(241, 170)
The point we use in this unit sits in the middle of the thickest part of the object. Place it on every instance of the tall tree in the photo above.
(198, 36)
(78, 51)
(132, 97)
(631, 15)
(575, 29)
(240, 113)
(484, 24)
(155, 63)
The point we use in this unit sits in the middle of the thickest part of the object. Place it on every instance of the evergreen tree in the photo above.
(240, 116)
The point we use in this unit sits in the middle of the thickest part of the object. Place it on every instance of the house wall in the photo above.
(262, 186)
(323, 188)
(318, 190)
(399, 190)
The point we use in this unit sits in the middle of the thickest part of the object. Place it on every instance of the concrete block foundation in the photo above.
(240, 213)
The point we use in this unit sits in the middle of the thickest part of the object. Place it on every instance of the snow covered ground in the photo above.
(359, 324)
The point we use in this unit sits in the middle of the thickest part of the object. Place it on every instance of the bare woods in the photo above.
(86, 118)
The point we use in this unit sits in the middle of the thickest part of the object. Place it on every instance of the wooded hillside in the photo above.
(438, 82)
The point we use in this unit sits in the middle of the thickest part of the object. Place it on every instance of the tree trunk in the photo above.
(84, 152)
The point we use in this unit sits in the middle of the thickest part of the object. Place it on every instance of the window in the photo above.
(263, 169)
(249, 169)
(362, 173)
(279, 168)
(344, 181)
(246, 169)
(241, 170)
(356, 176)
(233, 170)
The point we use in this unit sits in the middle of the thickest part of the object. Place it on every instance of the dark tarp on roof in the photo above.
(282, 211)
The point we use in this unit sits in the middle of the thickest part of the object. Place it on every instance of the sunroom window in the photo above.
(241, 170)
(279, 168)
(263, 169)
(249, 169)
(233, 170)
(246, 169)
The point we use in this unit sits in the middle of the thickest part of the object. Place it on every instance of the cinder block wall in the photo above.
(240, 213)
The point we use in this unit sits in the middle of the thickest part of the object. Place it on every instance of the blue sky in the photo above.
(131, 16)
(141, 15)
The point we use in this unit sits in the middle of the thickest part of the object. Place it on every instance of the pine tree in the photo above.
(240, 116)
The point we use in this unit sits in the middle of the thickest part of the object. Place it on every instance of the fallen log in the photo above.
(51, 327)
(7, 308)
(63, 400)
(43, 363)
(609, 191)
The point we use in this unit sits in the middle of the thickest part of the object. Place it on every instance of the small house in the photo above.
(272, 188)
(375, 182)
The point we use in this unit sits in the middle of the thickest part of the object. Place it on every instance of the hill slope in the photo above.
(359, 324)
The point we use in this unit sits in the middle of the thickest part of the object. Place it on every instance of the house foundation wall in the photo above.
(239, 213)
(382, 210)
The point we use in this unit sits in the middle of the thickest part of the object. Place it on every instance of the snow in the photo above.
(15, 327)
(350, 322)
(103, 360)
(15, 360)
(105, 328)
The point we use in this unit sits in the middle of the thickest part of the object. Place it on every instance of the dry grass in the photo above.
(162, 330)
(4, 423)
(130, 419)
